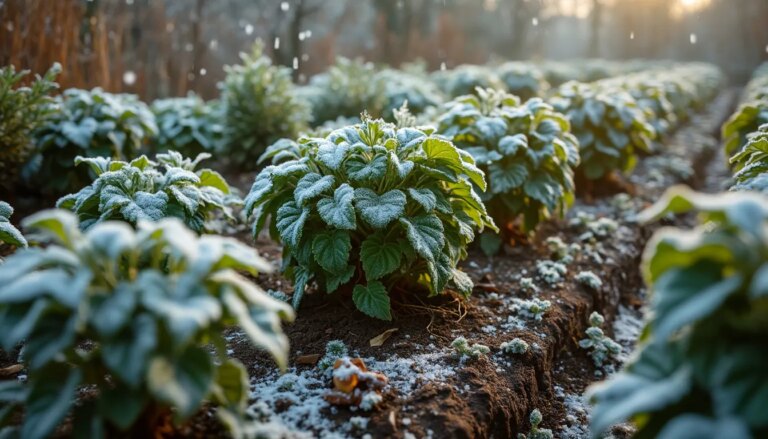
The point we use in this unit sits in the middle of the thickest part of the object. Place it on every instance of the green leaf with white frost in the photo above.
(338, 211)
(379, 210)
(290, 222)
(151, 299)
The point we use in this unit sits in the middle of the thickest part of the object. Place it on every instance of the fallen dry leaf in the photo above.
(11, 370)
(310, 359)
(381, 338)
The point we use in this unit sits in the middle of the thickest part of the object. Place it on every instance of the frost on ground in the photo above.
(295, 399)
(626, 329)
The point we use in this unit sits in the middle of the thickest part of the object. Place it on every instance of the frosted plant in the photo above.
(136, 317)
(87, 124)
(260, 106)
(146, 190)
(601, 347)
(9, 234)
(464, 351)
(527, 285)
(527, 150)
(536, 433)
(515, 346)
(368, 208)
(589, 279)
(188, 125)
(334, 350)
(24, 108)
(533, 308)
(552, 272)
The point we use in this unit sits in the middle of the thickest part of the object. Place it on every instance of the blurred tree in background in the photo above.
(159, 48)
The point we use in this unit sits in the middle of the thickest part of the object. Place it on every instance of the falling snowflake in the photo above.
(129, 77)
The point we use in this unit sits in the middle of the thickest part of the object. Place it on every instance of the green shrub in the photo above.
(612, 129)
(401, 87)
(526, 150)
(523, 80)
(133, 317)
(23, 110)
(747, 119)
(700, 366)
(89, 124)
(188, 125)
(371, 207)
(347, 89)
(751, 163)
(260, 106)
(146, 190)
(466, 79)
(9, 234)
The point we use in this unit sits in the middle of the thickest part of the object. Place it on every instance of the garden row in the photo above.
(374, 210)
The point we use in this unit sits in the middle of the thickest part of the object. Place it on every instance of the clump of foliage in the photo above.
(700, 365)
(401, 88)
(551, 272)
(466, 79)
(371, 207)
(516, 346)
(131, 315)
(88, 124)
(651, 95)
(526, 150)
(259, 106)
(746, 120)
(146, 190)
(334, 350)
(347, 89)
(465, 351)
(589, 279)
(523, 80)
(536, 433)
(9, 234)
(188, 125)
(23, 110)
(612, 129)
(751, 163)
(534, 308)
(601, 346)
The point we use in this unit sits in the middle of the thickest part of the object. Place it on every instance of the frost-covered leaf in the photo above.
(379, 256)
(379, 210)
(311, 185)
(290, 222)
(425, 233)
(338, 211)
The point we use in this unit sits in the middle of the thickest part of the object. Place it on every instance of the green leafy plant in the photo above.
(746, 120)
(260, 106)
(146, 190)
(9, 234)
(535, 419)
(700, 366)
(751, 163)
(465, 351)
(348, 88)
(523, 80)
(466, 79)
(516, 346)
(371, 207)
(188, 125)
(132, 316)
(89, 124)
(526, 150)
(23, 110)
(401, 87)
(612, 129)
(601, 347)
